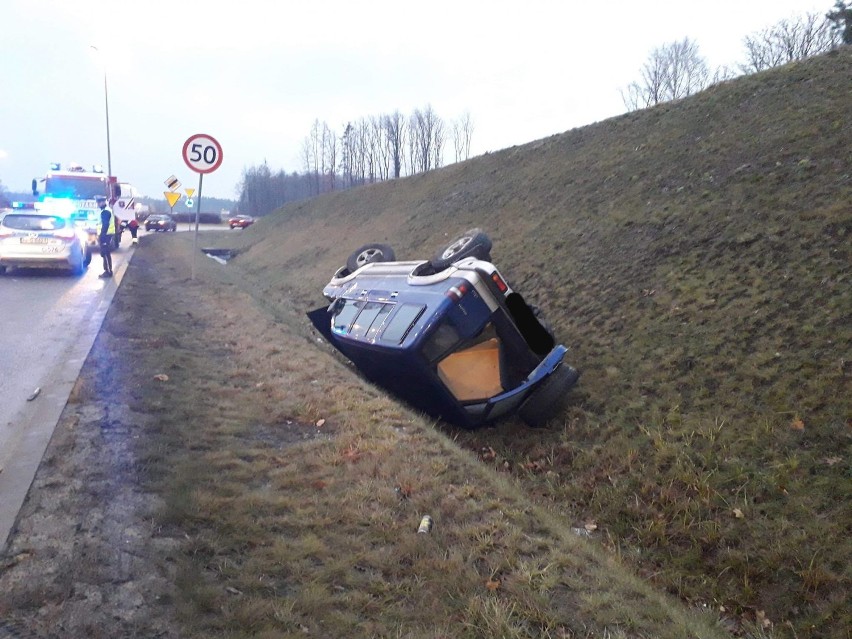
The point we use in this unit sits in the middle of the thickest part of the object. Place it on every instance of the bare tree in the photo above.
(419, 142)
(672, 71)
(329, 153)
(379, 148)
(426, 139)
(374, 148)
(788, 40)
(462, 133)
(309, 164)
(363, 158)
(315, 154)
(395, 132)
(438, 140)
(347, 154)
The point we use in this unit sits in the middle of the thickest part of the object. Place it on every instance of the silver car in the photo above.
(32, 238)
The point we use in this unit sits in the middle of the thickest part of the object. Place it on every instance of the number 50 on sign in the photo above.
(202, 153)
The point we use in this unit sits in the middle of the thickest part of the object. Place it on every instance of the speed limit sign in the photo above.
(202, 153)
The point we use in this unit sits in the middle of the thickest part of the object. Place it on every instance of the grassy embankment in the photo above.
(694, 256)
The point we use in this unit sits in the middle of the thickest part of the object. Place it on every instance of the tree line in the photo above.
(366, 150)
(677, 69)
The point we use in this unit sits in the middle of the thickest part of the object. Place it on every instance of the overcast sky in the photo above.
(255, 75)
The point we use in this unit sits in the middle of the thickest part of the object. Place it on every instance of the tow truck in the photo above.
(73, 190)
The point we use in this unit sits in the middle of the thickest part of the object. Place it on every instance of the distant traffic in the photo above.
(59, 230)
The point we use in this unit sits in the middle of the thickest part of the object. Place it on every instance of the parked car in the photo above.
(240, 221)
(39, 239)
(158, 222)
(448, 335)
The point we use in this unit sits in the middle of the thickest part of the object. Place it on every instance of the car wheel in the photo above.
(472, 243)
(546, 401)
(87, 258)
(2, 270)
(368, 254)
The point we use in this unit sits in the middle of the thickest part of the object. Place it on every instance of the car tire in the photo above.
(368, 254)
(546, 401)
(2, 270)
(471, 243)
(87, 258)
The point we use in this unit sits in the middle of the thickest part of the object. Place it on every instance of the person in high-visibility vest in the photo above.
(106, 235)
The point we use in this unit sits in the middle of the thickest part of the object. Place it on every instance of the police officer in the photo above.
(106, 235)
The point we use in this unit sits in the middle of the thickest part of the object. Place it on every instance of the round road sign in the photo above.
(202, 153)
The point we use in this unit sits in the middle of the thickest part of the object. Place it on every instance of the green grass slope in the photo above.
(696, 259)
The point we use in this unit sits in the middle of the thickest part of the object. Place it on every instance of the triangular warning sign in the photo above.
(189, 192)
(171, 197)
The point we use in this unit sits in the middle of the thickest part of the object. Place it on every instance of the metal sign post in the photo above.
(203, 154)
(197, 216)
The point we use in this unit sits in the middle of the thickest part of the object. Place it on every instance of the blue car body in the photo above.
(458, 344)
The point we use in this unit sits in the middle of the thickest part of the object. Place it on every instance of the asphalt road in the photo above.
(48, 323)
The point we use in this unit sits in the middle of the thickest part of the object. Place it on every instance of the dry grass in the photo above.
(695, 257)
(296, 491)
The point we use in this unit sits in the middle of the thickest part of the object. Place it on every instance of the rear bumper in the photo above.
(66, 259)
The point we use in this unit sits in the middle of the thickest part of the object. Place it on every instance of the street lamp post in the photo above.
(106, 109)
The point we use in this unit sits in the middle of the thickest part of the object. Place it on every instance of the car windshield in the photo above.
(34, 222)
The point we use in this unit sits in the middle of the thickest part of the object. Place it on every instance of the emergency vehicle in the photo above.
(73, 191)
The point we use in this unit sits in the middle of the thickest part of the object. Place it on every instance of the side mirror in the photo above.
(116, 191)
(35, 187)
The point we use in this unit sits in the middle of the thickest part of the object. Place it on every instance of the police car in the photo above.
(39, 235)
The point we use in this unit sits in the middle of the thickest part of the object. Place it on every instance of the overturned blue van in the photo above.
(448, 335)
